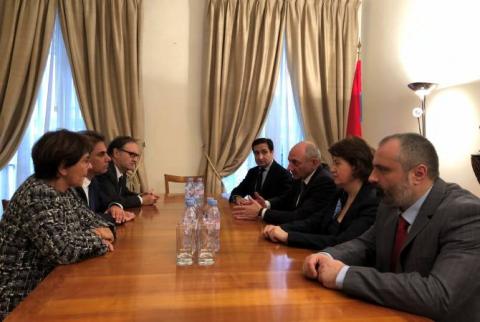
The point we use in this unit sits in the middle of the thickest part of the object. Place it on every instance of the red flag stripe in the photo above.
(354, 126)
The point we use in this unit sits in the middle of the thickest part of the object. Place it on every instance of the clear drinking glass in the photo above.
(185, 243)
(206, 244)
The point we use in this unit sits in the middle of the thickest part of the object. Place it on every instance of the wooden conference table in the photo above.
(252, 280)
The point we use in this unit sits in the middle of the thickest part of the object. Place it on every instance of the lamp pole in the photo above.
(424, 116)
(422, 89)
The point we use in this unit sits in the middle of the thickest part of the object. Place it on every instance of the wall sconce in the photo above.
(422, 89)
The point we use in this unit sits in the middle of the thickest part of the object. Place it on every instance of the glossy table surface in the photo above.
(252, 280)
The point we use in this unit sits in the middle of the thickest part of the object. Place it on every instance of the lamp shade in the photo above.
(422, 89)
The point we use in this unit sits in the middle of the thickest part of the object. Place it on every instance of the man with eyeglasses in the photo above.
(125, 153)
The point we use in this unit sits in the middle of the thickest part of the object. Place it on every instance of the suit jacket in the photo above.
(95, 206)
(277, 182)
(110, 191)
(316, 196)
(437, 274)
(322, 230)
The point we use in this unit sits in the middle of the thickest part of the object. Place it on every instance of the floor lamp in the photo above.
(422, 89)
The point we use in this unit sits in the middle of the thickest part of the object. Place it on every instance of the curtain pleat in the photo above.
(103, 42)
(26, 30)
(244, 42)
(322, 38)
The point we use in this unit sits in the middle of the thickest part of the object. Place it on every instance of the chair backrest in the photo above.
(177, 179)
(5, 203)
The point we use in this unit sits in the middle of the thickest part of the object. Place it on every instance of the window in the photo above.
(56, 107)
(282, 125)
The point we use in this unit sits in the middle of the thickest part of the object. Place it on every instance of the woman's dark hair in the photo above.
(55, 149)
(357, 153)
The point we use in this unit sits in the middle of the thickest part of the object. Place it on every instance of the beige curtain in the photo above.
(244, 41)
(322, 37)
(26, 30)
(103, 43)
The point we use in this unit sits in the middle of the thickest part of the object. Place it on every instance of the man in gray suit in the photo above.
(422, 255)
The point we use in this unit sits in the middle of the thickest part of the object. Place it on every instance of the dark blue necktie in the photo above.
(258, 184)
(122, 183)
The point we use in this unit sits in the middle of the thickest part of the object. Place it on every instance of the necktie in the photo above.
(302, 189)
(258, 184)
(122, 183)
(400, 236)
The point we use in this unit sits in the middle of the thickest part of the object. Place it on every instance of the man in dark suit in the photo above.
(125, 153)
(90, 190)
(312, 190)
(422, 255)
(268, 178)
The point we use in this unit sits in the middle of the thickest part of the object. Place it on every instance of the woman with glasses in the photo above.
(45, 224)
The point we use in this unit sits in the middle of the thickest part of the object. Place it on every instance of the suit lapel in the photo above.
(112, 172)
(305, 191)
(268, 178)
(387, 228)
(426, 212)
(361, 196)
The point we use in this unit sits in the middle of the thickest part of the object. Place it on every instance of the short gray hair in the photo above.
(312, 151)
(415, 149)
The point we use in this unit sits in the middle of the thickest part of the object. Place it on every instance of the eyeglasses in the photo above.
(132, 155)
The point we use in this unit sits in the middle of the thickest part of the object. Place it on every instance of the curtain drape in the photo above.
(244, 42)
(322, 38)
(103, 42)
(26, 30)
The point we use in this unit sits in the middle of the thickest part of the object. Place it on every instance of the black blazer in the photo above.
(277, 182)
(320, 231)
(109, 191)
(317, 195)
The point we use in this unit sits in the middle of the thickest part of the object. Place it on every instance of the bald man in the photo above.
(312, 190)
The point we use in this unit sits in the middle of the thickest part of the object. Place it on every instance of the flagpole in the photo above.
(359, 47)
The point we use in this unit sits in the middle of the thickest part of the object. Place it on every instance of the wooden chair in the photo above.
(5, 203)
(177, 179)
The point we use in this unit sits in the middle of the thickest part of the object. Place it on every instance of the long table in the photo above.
(252, 280)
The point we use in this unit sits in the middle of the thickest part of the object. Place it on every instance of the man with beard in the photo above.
(422, 255)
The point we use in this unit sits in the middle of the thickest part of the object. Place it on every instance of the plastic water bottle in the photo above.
(214, 216)
(189, 189)
(199, 192)
(207, 206)
(190, 218)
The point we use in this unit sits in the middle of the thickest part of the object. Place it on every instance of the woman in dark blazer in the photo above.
(351, 212)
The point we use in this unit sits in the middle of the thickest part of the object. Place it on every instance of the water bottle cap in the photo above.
(214, 202)
(189, 202)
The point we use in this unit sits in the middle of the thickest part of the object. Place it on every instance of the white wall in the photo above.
(429, 40)
(172, 67)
